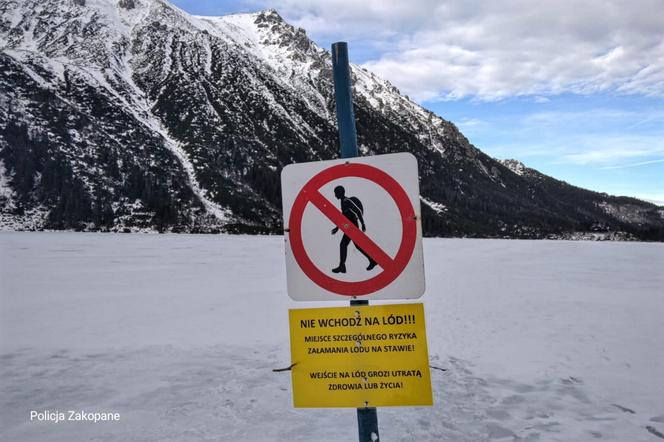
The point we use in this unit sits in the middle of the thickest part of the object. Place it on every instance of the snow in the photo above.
(119, 22)
(6, 192)
(437, 207)
(30, 219)
(18, 55)
(242, 30)
(142, 112)
(515, 166)
(293, 66)
(272, 45)
(528, 340)
(176, 148)
(266, 45)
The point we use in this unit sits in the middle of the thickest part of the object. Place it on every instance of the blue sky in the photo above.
(575, 90)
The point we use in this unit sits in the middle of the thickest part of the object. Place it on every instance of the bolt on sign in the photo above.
(360, 356)
(353, 228)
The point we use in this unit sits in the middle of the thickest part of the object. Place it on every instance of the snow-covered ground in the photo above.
(530, 340)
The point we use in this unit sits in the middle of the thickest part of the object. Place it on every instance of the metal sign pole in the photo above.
(367, 418)
(344, 100)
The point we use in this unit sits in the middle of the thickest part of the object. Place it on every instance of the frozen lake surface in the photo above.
(533, 341)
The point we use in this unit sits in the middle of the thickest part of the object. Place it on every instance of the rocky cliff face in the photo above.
(134, 115)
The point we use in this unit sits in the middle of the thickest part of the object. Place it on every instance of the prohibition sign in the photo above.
(392, 267)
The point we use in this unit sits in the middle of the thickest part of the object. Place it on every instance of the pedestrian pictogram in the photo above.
(351, 208)
(377, 210)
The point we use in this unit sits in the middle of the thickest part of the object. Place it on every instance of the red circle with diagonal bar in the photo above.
(392, 267)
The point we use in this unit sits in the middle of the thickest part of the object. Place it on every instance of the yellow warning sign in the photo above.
(360, 356)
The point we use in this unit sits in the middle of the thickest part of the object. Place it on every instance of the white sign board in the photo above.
(353, 229)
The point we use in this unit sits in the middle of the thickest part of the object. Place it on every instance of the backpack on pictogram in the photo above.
(357, 203)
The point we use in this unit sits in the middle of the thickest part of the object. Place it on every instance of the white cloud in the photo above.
(600, 117)
(640, 163)
(604, 151)
(655, 198)
(354, 19)
(613, 151)
(436, 50)
(465, 123)
(599, 136)
(602, 137)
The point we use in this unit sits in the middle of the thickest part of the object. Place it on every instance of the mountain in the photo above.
(132, 115)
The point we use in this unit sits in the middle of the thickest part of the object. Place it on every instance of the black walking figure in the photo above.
(352, 209)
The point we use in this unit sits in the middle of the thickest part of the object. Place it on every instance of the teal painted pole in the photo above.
(343, 95)
(367, 418)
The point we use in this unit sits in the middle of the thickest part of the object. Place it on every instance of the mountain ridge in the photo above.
(153, 119)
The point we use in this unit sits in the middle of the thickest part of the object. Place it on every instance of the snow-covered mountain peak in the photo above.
(90, 33)
(133, 114)
(515, 166)
(302, 63)
(98, 35)
(268, 36)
